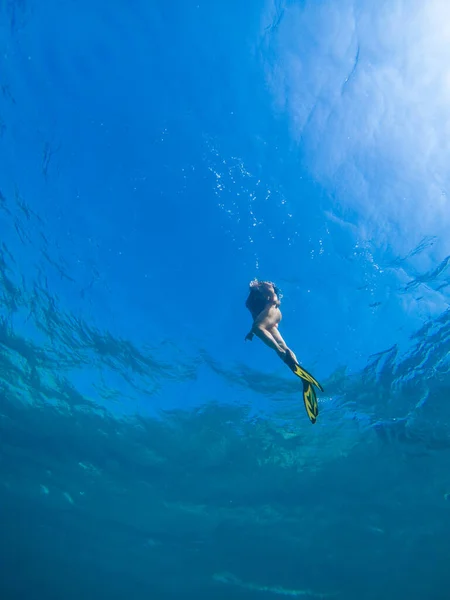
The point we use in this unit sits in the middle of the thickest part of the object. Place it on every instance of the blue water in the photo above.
(154, 158)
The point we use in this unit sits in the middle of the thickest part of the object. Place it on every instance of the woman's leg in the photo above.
(280, 341)
(266, 337)
(264, 325)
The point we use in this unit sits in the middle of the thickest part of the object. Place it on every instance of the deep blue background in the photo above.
(154, 158)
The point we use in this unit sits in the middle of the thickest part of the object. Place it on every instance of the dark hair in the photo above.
(277, 292)
(276, 289)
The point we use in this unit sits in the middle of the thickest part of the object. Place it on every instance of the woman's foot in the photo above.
(289, 358)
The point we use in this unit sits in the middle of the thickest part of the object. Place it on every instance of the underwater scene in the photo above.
(225, 285)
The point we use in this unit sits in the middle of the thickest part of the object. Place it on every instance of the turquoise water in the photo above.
(154, 158)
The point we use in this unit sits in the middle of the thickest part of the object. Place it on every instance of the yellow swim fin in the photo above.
(310, 400)
(309, 394)
(303, 374)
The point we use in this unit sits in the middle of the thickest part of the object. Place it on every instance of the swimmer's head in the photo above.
(255, 283)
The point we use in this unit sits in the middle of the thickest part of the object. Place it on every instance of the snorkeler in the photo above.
(263, 302)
